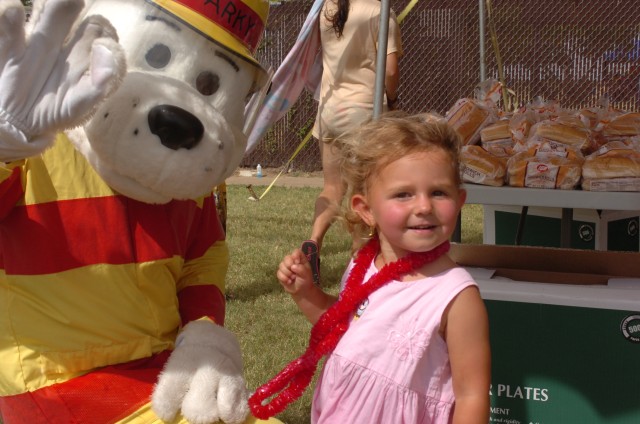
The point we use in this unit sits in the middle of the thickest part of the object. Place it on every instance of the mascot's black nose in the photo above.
(176, 127)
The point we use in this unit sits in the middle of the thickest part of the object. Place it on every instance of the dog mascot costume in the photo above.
(117, 120)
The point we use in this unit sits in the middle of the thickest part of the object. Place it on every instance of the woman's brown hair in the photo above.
(339, 17)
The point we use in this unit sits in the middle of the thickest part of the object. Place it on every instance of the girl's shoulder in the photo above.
(445, 266)
(451, 281)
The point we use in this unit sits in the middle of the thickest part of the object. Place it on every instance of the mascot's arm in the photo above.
(201, 284)
(203, 377)
(53, 74)
(201, 292)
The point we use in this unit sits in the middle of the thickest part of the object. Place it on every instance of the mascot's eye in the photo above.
(158, 56)
(207, 83)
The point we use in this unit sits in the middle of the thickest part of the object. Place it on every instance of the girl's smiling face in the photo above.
(413, 202)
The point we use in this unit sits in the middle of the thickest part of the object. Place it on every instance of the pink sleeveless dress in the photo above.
(392, 366)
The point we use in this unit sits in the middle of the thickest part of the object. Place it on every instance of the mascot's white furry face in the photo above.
(154, 149)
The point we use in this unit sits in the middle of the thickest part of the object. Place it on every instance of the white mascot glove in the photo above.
(203, 377)
(52, 77)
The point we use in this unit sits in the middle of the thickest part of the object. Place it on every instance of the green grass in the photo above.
(269, 326)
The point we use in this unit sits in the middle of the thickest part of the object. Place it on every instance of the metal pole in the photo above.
(483, 71)
(381, 61)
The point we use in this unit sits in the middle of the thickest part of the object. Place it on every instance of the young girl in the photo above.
(416, 350)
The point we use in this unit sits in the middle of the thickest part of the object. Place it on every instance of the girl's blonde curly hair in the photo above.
(365, 151)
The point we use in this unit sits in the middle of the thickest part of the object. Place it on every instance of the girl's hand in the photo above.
(295, 276)
(294, 272)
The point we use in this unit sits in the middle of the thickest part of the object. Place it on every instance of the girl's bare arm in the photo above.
(467, 336)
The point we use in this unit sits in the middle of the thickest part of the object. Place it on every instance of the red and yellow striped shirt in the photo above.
(91, 278)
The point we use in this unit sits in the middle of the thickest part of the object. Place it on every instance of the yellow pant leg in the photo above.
(145, 415)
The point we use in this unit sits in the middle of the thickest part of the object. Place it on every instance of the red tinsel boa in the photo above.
(292, 381)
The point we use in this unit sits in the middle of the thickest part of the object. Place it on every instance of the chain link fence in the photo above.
(574, 52)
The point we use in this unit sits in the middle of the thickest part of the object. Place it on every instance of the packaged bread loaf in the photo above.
(468, 117)
(496, 131)
(576, 136)
(481, 167)
(596, 116)
(543, 171)
(621, 125)
(616, 159)
(496, 138)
